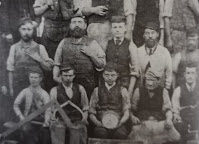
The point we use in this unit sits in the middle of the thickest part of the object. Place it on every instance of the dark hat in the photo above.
(118, 19)
(25, 20)
(110, 66)
(35, 69)
(192, 32)
(78, 15)
(66, 67)
(152, 74)
(153, 26)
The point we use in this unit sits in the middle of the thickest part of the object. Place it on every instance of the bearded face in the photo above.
(26, 32)
(151, 38)
(77, 27)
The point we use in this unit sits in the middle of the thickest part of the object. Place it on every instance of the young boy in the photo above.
(110, 97)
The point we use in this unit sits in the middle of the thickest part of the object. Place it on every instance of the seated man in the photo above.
(185, 102)
(74, 101)
(109, 100)
(34, 97)
(151, 108)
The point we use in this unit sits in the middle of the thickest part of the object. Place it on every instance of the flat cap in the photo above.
(110, 66)
(153, 26)
(35, 69)
(66, 67)
(118, 19)
(151, 74)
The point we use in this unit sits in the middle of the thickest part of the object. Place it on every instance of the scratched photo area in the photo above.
(99, 71)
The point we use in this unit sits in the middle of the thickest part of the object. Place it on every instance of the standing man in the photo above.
(190, 54)
(23, 55)
(107, 100)
(100, 14)
(34, 97)
(185, 102)
(185, 16)
(123, 52)
(84, 54)
(77, 112)
(154, 56)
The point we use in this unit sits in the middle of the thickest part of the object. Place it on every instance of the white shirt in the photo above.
(108, 86)
(68, 90)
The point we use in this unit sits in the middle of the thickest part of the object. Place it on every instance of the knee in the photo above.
(100, 132)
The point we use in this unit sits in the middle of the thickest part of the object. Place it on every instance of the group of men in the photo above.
(88, 62)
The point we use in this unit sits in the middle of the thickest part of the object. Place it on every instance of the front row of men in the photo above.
(150, 105)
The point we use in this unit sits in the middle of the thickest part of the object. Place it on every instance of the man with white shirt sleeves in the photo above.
(83, 53)
(110, 97)
(185, 101)
(76, 94)
(124, 53)
(155, 56)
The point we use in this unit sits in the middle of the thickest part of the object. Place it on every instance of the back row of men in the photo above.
(134, 82)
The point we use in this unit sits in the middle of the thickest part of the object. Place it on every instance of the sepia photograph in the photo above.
(99, 71)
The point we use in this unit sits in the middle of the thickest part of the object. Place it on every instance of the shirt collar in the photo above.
(121, 39)
(67, 87)
(108, 86)
(190, 88)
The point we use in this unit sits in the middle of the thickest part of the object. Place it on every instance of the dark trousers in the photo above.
(119, 133)
(35, 134)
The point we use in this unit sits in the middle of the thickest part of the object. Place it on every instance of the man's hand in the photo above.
(100, 10)
(21, 117)
(4, 90)
(46, 124)
(135, 120)
(88, 51)
(176, 118)
(168, 124)
(84, 119)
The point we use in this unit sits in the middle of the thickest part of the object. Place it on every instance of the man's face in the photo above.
(68, 77)
(151, 37)
(192, 43)
(26, 31)
(77, 27)
(118, 29)
(35, 79)
(190, 75)
(151, 84)
(110, 77)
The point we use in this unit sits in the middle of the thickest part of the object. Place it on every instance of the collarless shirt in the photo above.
(108, 86)
(68, 90)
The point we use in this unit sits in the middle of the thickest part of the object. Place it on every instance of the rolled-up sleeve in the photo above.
(84, 99)
(130, 7)
(168, 7)
(11, 59)
(176, 100)
(168, 70)
(125, 99)
(43, 53)
(94, 102)
(46, 98)
(135, 99)
(166, 101)
(134, 68)
(58, 54)
(18, 102)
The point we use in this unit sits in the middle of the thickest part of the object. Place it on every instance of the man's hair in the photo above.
(66, 68)
(118, 19)
(80, 16)
(110, 67)
(26, 20)
(191, 65)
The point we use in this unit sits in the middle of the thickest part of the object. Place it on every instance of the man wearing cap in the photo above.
(185, 102)
(123, 52)
(151, 105)
(84, 54)
(23, 55)
(154, 56)
(110, 98)
(34, 97)
(68, 92)
(185, 16)
(100, 13)
(190, 54)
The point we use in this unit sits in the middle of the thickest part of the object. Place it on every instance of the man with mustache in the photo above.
(24, 55)
(189, 54)
(154, 56)
(84, 54)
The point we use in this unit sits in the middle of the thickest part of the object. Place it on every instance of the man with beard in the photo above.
(24, 55)
(154, 56)
(84, 54)
(190, 54)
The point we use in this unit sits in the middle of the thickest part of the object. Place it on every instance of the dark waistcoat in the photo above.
(62, 97)
(119, 55)
(116, 8)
